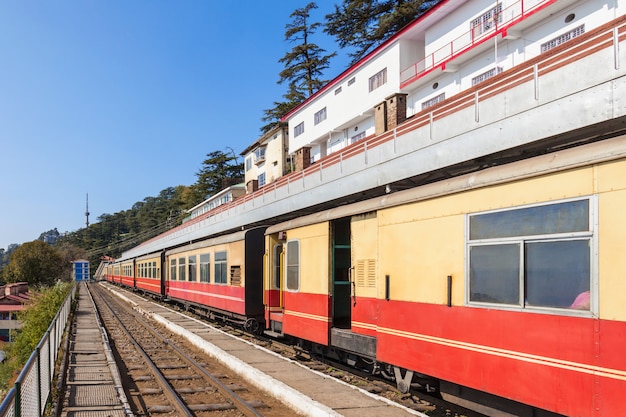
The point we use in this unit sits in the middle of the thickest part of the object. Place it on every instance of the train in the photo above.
(503, 286)
(469, 244)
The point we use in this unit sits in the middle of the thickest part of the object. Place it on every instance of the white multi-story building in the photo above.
(452, 48)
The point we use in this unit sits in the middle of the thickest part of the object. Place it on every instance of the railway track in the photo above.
(164, 378)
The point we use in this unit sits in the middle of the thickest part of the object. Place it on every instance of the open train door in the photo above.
(273, 283)
(341, 270)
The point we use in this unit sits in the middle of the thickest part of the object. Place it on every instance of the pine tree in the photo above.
(304, 65)
(218, 171)
(365, 24)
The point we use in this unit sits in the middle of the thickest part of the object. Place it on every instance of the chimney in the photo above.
(396, 110)
(303, 158)
(380, 118)
(252, 186)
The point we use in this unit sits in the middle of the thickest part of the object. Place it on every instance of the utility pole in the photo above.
(87, 212)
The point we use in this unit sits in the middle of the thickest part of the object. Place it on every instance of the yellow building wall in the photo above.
(314, 257)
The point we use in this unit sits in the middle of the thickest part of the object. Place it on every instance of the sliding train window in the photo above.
(221, 272)
(205, 267)
(182, 276)
(173, 270)
(293, 265)
(193, 268)
(533, 257)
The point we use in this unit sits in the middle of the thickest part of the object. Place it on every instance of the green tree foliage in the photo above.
(365, 24)
(34, 262)
(304, 64)
(36, 320)
(219, 170)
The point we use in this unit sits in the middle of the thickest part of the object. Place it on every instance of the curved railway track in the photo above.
(163, 378)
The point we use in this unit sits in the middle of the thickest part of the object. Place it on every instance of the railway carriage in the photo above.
(221, 277)
(127, 273)
(148, 272)
(505, 285)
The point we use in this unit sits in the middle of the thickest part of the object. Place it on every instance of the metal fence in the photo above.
(31, 392)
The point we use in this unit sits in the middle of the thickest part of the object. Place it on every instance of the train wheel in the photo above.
(251, 326)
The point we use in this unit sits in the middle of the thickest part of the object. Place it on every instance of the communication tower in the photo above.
(87, 212)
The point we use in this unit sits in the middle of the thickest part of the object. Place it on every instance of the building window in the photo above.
(248, 163)
(320, 116)
(259, 154)
(532, 257)
(173, 270)
(338, 90)
(193, 271)
(221, 272)
(261, 179)
(181, 269)
(378, 79)
(562, 38)
(205, 267)
(487, 21)
(293, 265)
(437, 99)
(351, 81)
(486, 75)
(357, 137)
(298, 130)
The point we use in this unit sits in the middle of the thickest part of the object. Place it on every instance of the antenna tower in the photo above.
(87, 212)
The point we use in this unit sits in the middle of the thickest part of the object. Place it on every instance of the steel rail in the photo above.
(238, 402)
(169, 391)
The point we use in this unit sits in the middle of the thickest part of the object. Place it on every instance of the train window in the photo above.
(278, 249)
(532, 257)
(293, 265)
(193, 271)
(181, 269)
(221, 263)
(205, 267)
(173, 270)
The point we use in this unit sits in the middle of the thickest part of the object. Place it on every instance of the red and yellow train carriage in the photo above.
(148, 271)
(221, 277)
(505, 285)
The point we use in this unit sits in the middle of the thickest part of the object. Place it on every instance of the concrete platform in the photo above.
(92, 383)
(308, 392)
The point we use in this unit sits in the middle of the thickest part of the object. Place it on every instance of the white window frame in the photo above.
(319, 116)
(591, 235)
(378, 80)
(298, 129)
(288, 265)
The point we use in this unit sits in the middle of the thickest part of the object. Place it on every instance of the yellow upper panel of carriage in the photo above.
(420, 244)
(314, 257)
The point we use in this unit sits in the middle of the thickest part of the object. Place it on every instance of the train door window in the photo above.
(205, 267)
(155, 273)
(221, 263)
(173, 270)
(293, 265)
(193, 271)
(533, 257)
(276, 255)
(181, 269)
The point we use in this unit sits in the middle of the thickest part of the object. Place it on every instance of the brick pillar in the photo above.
(380, 118)
(303, 158)
(396, 110)
(252, 186)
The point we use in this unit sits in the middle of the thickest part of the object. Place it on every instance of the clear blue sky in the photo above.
(124, 98)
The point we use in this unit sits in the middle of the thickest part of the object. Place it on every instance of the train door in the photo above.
(341, 270)
(274, 283)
